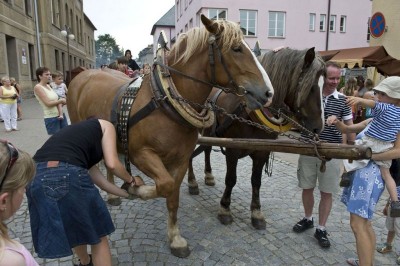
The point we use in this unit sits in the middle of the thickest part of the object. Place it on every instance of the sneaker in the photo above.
(384, 248)
(321, 236)
(303, 225)
(345, 180)
(90, 262)
(395, 209)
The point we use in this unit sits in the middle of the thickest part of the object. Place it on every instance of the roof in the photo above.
(374, 56)
(168, 20)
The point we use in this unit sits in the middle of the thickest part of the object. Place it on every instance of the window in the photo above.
(332, 23)
(56, 55)
(217, 14)
(312, 22)
(190, 23)
(343, 24)
(28, 7)
(248, 20)
(368, 31)
(55, 11)
(276, 24)
(322, 21)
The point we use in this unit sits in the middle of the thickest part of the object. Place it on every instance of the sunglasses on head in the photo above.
(13, 152)
(379, 93)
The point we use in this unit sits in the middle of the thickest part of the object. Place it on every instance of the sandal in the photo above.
(353, 262)
(398, 260)
(384, 248)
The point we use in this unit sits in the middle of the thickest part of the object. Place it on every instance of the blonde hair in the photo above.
(19, 175)
(5, 78)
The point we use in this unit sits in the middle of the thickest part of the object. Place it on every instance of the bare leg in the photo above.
(308, 201)
(19, 111)
(390, 237)
(101, 253)
(325, 206)
(390, 184)
(60, 111)
(365, 239)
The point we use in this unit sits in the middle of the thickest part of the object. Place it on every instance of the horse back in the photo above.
(91, 94)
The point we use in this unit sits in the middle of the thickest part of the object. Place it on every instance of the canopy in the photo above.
(374, 56)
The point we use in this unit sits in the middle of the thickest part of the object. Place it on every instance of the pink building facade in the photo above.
(323, 24)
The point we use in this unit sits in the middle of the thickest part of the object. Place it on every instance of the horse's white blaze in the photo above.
(262, 70)
(321, 86)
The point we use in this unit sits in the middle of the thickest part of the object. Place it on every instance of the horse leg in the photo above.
(257, 217)
(224, 214)
(192, 183)
(208, 178)
(168, 182)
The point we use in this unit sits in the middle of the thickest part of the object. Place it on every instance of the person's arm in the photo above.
(349, 137)
(352, 128)
(101, 181)
(111, 160)
(351, 100)
(43, 97)
(391, 154)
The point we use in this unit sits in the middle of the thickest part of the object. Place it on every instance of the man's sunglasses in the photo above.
(13, 152)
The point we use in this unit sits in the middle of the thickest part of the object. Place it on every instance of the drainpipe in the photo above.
(39, 49)
(328, 25)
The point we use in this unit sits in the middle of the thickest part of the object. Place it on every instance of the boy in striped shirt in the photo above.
(381, 133)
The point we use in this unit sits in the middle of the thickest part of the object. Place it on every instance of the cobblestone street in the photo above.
(140, 237)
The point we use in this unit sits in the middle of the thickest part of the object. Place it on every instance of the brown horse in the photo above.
(162, 141)
(295, 75)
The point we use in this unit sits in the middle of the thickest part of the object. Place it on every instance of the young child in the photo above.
(381, 134)
(60, 88)
(392, 223)
(16, 171)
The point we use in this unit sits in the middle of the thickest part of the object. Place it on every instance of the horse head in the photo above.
(295, 75)
(218, 56)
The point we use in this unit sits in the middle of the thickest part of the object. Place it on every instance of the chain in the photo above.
(213, 107)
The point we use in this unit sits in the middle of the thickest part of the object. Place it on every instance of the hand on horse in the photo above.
(137, 181)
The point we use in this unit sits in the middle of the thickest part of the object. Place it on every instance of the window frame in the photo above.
(322, 22)
(276, 21)
(218, 12)
(343, 24)
(246, 29)
(332, 23)
(311, 22)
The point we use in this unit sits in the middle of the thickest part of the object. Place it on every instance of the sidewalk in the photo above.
(140, 236)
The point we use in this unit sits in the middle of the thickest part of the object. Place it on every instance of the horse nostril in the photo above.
(269, 94)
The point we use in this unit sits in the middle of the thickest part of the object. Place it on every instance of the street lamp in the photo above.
(69, 36)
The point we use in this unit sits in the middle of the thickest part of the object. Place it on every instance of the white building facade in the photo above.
(300, 24)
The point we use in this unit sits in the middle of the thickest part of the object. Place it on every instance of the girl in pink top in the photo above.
(16, 171)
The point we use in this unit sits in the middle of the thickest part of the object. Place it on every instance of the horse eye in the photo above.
(237, 49)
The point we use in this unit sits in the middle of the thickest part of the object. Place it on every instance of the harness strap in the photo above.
(142, 113)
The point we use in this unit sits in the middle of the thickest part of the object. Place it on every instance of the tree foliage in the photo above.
(107, 50)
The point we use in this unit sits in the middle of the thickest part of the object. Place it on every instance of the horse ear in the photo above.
(210, 25)
(257, 50)
(309, 57)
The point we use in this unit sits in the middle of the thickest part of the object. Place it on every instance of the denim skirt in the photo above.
(66, 210)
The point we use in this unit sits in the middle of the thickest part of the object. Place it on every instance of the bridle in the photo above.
(214, 52)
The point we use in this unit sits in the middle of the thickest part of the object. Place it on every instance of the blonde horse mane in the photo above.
(229, 35)
(284, 68)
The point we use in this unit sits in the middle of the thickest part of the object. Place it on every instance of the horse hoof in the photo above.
(194, 191)
(114, 201)
(210, 182)
(258, 224)
(225, 219)
(180, 252)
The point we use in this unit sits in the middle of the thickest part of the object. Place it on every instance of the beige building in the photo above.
(390, 38)
(31, 37)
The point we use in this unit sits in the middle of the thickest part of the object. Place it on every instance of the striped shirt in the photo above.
(334, 104)
(386, 123)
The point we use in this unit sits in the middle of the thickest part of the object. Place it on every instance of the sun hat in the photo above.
(390, 86)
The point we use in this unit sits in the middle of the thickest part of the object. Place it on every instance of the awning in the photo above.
(374, 56)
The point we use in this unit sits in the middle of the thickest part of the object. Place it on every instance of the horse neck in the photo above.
(192, 90)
